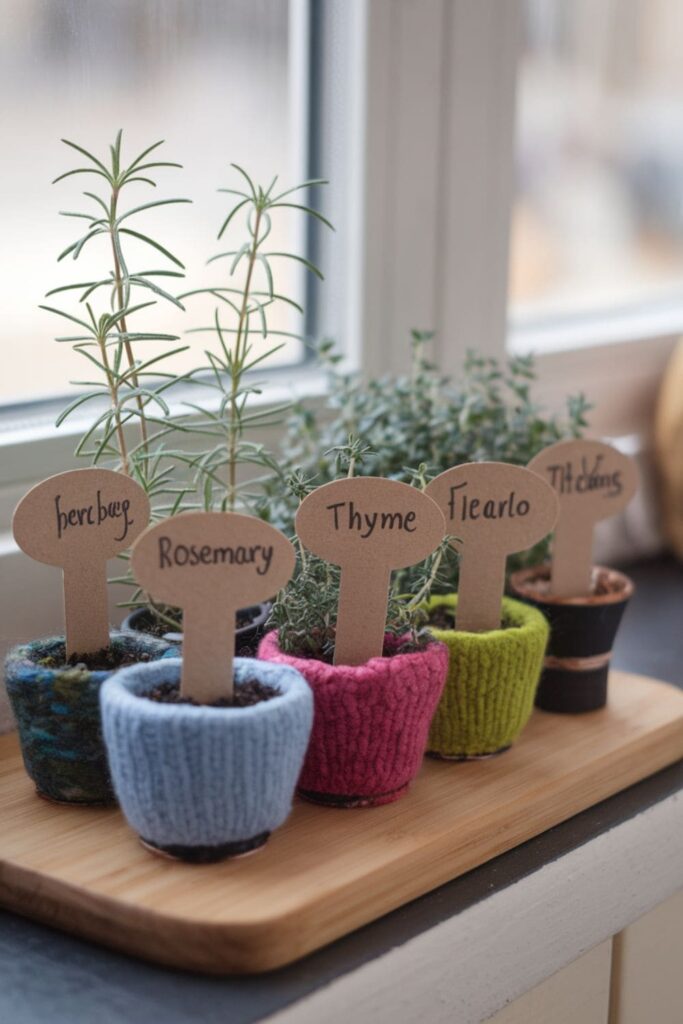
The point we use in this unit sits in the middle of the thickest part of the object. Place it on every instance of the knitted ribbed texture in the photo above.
(202, 776)
(492, 680)
(371, 721)
(58, 716)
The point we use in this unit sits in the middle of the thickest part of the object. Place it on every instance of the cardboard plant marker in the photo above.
(78, 520)
(210, 564)
(368, 526)
(494, 510)
(592, 481)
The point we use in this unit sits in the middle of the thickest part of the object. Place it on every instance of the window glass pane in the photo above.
(598, 215)
(211, 77)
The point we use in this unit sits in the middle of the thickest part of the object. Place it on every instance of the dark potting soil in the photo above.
(603, 582)
(104, 660)
(443, 617)
(321, 646)
(246, 694)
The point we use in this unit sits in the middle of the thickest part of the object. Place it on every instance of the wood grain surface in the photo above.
(327, 871)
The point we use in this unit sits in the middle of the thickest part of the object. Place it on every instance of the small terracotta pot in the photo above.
(370, 723)
(582, 634)
(492, 680)
(57, 708)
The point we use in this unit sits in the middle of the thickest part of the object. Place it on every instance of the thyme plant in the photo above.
(427, 420)
(305, 611)
(127, 393)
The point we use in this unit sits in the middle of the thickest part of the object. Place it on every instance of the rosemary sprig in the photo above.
(131, 388)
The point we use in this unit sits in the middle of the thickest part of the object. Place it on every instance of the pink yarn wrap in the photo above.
(370, 722)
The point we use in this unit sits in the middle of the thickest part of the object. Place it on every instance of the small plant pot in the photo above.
(200, 783)
(370, 723)
(582, 634)
(491, 684)
(57, 709)
(247, 637)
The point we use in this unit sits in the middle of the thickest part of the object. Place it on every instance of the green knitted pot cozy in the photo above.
(491, 682)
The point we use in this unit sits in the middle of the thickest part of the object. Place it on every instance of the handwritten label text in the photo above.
(170, 555)
(93, 515)
(347, 517)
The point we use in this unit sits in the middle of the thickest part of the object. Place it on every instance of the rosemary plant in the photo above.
(128, 392)
(224, 472)
(305, 611)
(228, 474)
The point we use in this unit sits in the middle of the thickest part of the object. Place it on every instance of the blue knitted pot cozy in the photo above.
(204, 777)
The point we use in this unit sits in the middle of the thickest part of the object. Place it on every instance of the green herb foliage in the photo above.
(305, 611)
(128, 390)
(243, 340)
(422, 424)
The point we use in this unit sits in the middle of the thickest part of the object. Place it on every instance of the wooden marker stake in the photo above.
(210, 564)
(368, 526)
(593, 481)
(492, 509)
(78, 520)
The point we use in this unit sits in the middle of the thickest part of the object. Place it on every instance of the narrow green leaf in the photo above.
(304, 209)
(149, 206)
(300, 259)
(155, 245)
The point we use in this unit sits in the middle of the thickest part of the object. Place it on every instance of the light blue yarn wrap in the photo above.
(204, 776)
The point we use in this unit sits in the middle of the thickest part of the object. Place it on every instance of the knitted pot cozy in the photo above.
(58, 716)
(492, 680)
(190, 776)
(370, 723)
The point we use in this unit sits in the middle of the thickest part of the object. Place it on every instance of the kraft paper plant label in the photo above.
(593, 481)
(210, 564)
(368, 526)
(78, 520)
(492, 510)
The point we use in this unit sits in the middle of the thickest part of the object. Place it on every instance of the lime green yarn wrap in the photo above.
(491, 682)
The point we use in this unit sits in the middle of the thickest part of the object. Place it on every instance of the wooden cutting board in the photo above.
(327, 871)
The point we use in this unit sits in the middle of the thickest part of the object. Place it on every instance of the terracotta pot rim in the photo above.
(523, 576)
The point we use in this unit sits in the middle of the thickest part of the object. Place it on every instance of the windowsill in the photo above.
(548, 334)
(31, 447)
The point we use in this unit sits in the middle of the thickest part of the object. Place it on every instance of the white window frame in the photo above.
(426, 158)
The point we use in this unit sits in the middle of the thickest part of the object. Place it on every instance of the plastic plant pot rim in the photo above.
(519, 584)
(270, 645)
(126, 690)
(526, 619)
(17, 662)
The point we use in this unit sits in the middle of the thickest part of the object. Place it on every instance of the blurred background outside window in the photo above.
(597, 220)
(211, 77)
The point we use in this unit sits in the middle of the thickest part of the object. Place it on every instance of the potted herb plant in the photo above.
(584, 603)
(428, 419)
(495, 644)
(231, 472)
(205, 751)
(54, 690)
(371, 714)
(492, 679)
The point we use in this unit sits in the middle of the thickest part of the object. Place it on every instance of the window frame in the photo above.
(426, 140)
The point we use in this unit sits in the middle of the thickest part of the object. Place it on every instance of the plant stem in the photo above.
(236, 368)
(114, 393)
(428, 583)
(118, 280)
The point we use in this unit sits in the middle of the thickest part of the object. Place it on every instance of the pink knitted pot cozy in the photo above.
(370, 722)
